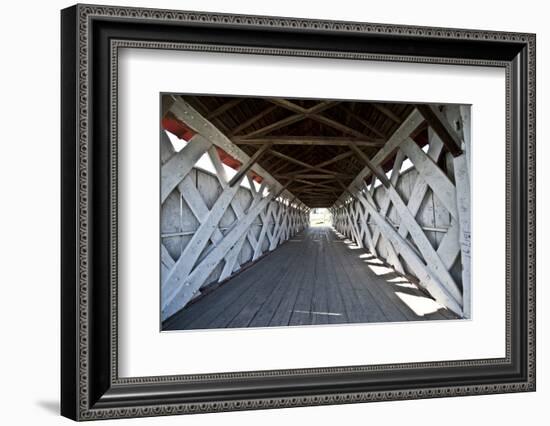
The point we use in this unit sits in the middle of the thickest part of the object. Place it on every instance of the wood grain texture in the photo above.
(314, 278)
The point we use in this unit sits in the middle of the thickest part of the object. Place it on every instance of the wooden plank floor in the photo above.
(317, 277)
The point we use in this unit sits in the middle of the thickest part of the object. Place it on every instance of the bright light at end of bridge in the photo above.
(320, 217)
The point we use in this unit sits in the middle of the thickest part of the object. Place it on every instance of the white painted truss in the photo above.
(416, 220)
(209, 228)
(419, 223)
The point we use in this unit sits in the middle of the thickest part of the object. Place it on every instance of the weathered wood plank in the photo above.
(463, 201)
(385, 204)
(438, 122)
(194, 120)
(166, 261)
(314, 279)
(248, 165)
(449, 248)
(180, 272)
(426, 276)
(284, 292)
(233, 254)
(411, 123)
(307, 140)
(177, 167)
(422, 242)
(260, 297)
(183, 291)
(166, 148)
(433, 175)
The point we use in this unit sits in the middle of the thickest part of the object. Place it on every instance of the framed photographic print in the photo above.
(263, 212)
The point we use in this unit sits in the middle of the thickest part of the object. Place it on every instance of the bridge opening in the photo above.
(320, 216)
(282, 212)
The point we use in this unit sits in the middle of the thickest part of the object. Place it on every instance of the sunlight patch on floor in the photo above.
(420, 305)
(404, 284)
(334, 314)
(367, 256)
(381, 270)
(399, 279)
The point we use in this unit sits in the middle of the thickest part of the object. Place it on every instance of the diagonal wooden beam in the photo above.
(442, 128)
(185, 289)
(291, 106)
(301, 163)
(307, 182)
(195, 121)
(337, 125)
(314, 114)
(345, 188)
(426, 275)
(385, 203)
(277, 125)
(285, 186)
(441, 185)
(196, 204)
(196, 245)
(396, 139)
(387, 112)
(232, 256)
(264, 232)
(281, 168)
(421, 240)
(322, 106)
(300, 175)
(364, 122)
(363, 157)
(224, 107)
(252, 120)
(420, 186)
(222, 179)
(180, 164)
(339, 157)
(246, 167)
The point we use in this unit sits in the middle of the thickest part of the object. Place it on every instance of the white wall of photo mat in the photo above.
(29, 229)
(143, 351)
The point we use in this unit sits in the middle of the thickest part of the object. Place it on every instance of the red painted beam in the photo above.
(179, 129)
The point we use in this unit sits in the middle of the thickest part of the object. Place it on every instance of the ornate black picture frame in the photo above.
(90, 38)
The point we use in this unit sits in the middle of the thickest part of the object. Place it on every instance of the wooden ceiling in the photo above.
(319, 146)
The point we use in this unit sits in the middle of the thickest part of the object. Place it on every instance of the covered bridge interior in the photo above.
(241, 176)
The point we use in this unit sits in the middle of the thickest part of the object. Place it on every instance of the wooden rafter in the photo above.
(345, 188)
(319, 107)
(248, 165)
(368, 163)
(224, 108)
(441, 126)
(322, 160)
(291, 119)
(305, 165)
(388, 113)
(314, 176)
(252, 120)
(335, 159)
(314, 114)
(307, 140)
(364, 122)
(318, 184)
(287, 121)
